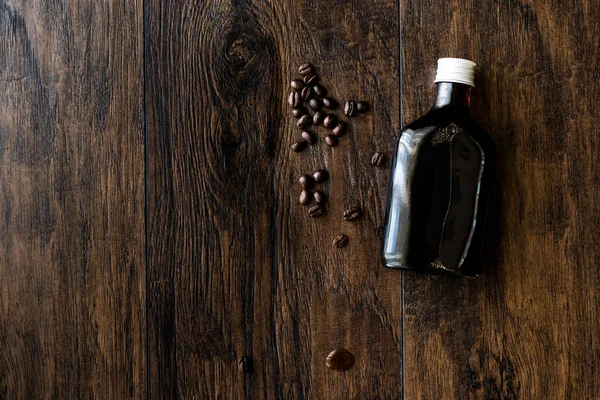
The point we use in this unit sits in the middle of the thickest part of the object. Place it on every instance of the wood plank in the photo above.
(236, 265)
(72, 286)
(529, 327)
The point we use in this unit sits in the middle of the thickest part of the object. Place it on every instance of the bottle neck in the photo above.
(452, 94)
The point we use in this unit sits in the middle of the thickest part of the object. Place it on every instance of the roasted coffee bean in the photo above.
(306, 69)
(315, 104)
(330, 121)
(319, 90)
(340, 241)
(319, 197)
(340, 360)
(311, 79)
(305, 197)
(318, 117)
(363, 106)
(294, 99)
(321, 176)
(298, 146)
(297, 84)
(307, 93)
(378, 159)
(352, 213)
(331, 140)
(309, 137)
(307, 182)
(350, 109)
(316, 211)
(298, 112)
(304, 122)
(340, 129)
(330, 103)
(245, 364)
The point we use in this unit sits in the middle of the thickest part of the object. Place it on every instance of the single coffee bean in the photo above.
(340, 129)
(311, 79)
(298, 112)
(297, 84)
(320, 90)
(350, 109)
(378, 159)
(294, 99)
(305, 197)
(307, 182)
(318, 117)
(245, 364)
(319, 197)
(330, 121)
(304, 122)
(340, 241)
(363, 106)
(306, 93)
(331, 140)
(321, 176)
(306, 69)
(316, 211)
(309, 137)
(298, 146)
(330, 103)
(352, 213)
(315, 104)
(340, 360)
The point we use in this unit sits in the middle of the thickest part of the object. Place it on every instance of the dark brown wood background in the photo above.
(150, 233)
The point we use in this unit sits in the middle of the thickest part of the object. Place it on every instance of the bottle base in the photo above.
(427, 270)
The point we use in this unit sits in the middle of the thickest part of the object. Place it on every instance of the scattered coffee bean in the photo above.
(378, 159)
(320, 90)
(340, 360)
(350, 108)
(294, 99)
(316, 211)
(330, 121)
(245, 364)
(311, 79)
(306, 93)
(318, 117)
(330, 103)
(305, 197)
(363, 106)
(340, 241)
(340, 129)
(297, 84)
(309, 137)
(319, 197)
(315, 104)
(298, 112)
(352, 213)
(306, 69)
(321, 176)
(331, 140)
(304, 122)
(307, 182)
(298, 146)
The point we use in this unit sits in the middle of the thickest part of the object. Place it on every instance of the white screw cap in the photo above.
(456, 70)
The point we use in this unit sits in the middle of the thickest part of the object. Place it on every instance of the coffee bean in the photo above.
(311, 79)
(318, 117)
(298, 146)
(331, 140)
(350, 108)
(378, 159)
(297, 84)
(305, 197)
(307, 182)
(315, 104)
(294, 99)
(340, 129)
(309, 137)
(319, 197)
(306, 93)
(245, 364)
(340, 360)
(316, 211)
(304, 122)
(330, 121)
(330, 103)
(298, 112)
(363, 106)
(306, 69)
(320, 90)
(352, 213)
(321, 176)
(340, 241)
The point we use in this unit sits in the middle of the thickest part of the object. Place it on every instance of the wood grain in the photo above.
(237, 268)
(72, 274)
(529, 328)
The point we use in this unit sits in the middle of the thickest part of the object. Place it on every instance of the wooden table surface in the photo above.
(151, 236)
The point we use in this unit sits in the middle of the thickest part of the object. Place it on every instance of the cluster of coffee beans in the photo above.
(308, 183)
